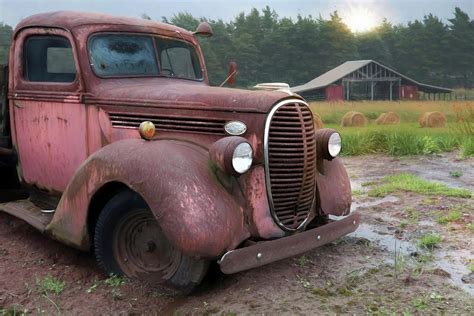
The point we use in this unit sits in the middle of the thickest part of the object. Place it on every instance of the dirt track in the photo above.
(356, 274)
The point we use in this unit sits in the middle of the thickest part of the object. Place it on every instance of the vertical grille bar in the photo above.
(290, 163)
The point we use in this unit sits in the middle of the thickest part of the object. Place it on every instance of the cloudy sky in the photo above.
(397, 11)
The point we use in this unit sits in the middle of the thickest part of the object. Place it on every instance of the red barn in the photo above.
(366, 80)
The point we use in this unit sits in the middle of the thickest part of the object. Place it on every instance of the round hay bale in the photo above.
(390, 118)
(381, 119)
(432, 119)
(353, 118)
(318, 122)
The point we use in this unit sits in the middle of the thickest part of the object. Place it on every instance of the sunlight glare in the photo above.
(360, 19)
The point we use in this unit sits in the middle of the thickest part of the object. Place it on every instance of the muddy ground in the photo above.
(379, 269)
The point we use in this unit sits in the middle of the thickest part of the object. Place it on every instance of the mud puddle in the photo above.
(451, 261)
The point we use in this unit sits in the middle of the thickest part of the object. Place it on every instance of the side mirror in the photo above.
(204, 30)
(231, 75)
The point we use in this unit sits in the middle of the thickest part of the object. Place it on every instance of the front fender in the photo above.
(196, 213)
(334, 188)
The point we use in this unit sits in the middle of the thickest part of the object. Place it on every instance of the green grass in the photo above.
(407, 138)
(303, 261)
(452, 216)
(408, 182)
(429, 241)
(401, 140)
(467, 147)
(115, 281)
(49, 284)
(470, 226)
(471, 267)
(456, 174)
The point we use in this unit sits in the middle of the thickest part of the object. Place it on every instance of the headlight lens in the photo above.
(334, 144)
(242, 158)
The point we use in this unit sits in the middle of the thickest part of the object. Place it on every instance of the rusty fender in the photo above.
(334, 188)
(196, 213)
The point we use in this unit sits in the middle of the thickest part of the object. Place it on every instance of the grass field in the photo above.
(407, 138)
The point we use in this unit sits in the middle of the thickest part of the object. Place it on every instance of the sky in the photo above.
(360, 15)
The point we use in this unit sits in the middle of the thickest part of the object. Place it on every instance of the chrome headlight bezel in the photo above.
(334, 144)
(233, 155)
(328, 143)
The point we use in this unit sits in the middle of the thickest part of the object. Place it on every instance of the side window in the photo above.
(49, 59)
(178, 59)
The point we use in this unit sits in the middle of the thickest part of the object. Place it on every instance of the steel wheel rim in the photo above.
(141, 249)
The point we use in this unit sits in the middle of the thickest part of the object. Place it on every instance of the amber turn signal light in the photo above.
(147, 130)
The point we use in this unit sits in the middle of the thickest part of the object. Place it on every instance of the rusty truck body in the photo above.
(113, 141)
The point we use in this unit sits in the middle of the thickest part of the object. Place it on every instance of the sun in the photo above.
(360, 19)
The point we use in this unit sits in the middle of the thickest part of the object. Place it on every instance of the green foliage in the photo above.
(268, 48)
(115, 281)
(49, 284)
(467, 147)
(452, 216)
(402, 140)
(5, 37)
(429, 241)
(470, 226)
(411, 183)
(471, 267)
(455, 174)
(303, 261)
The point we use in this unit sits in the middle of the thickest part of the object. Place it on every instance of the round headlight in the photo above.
(235, 128)
(242, 157)
(334, 144)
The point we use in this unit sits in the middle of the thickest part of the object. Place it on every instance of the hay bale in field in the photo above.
(318, 122)
(432, 119)
(390, 118)
(354, 118)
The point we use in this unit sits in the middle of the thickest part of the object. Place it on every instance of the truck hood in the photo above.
(182, 94)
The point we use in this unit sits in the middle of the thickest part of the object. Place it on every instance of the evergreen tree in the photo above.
(5, 38)
(461, 49)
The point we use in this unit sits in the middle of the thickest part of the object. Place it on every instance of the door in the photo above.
(49, 119)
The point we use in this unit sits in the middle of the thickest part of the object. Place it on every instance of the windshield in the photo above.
(128, 55)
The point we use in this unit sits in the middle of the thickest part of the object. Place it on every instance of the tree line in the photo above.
(268, 48)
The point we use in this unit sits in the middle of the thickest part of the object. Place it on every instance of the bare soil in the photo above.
(379, 269)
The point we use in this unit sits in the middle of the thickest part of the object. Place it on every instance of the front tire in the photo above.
(128, 241)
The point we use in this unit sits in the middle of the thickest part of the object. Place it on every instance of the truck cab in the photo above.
(114, 142)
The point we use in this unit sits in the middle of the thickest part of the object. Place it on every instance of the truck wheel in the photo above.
(128, 241)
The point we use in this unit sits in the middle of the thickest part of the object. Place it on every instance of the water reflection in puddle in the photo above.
(387, 199)
(452, 261)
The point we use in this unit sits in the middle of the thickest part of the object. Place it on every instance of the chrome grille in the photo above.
(290, 162)
(170, 123)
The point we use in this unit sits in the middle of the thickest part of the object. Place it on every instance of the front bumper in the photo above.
(270, 251)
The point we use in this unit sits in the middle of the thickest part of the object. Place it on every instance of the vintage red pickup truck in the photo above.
(113, 141)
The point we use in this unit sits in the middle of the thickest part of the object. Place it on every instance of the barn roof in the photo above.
(349, 67)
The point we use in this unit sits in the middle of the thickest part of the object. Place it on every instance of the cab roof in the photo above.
(72, 19)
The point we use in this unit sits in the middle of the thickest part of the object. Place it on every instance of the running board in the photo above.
(29, 212)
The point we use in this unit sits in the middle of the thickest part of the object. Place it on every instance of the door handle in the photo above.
(18, 105)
